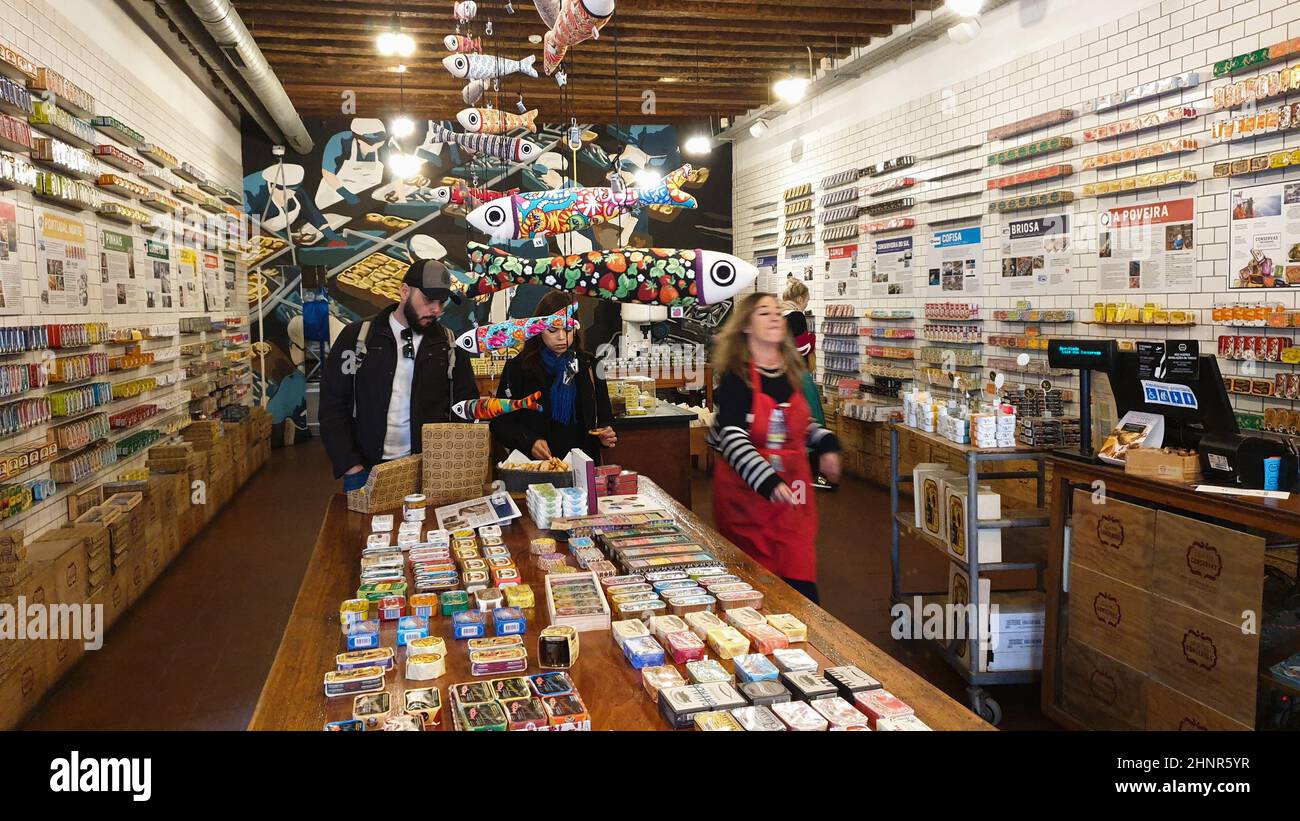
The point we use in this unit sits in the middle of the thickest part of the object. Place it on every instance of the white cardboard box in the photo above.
(927, 495)
(955, 510)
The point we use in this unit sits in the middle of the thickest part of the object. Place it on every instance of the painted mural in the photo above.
(340, 228)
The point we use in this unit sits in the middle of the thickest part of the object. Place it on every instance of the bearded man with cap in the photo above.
(388, 376)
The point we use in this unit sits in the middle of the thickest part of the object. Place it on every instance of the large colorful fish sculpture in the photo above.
(570, 22)
(459, 44)
(514, 332)
(478, 410)
(510, 149)
(548, 213)
(495, 121)
(487, 66)
(646, 276)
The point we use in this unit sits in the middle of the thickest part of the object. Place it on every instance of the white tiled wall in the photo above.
(1146, 42)
(95, 45)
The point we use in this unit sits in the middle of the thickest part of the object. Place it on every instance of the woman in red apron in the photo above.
(763, 428)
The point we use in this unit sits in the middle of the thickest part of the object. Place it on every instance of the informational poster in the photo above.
(11, 277)
(1035, 256)
(1265, 250)
(213, 296)
(891, 270)
(124, 288)
(801, 267)
(187, 280)
(769, 280)
(161, 286)
(955, 262)
(228, 277)
(1147, 247)
(841, 270)
(61, 262)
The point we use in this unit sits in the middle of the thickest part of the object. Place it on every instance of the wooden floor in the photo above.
(194, 651)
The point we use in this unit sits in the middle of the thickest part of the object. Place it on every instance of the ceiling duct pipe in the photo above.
(193, 32)
(232, 36)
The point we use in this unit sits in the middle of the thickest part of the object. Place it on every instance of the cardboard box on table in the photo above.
(956, 509)
(456, 462)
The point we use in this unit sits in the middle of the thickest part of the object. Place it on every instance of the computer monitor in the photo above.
(1202, 408)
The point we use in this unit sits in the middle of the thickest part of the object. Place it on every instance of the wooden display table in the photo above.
(293, 697)
(1161, 579)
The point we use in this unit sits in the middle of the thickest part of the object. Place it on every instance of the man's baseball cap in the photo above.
(433, 279)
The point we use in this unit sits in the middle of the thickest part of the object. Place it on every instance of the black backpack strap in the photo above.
(359, 349)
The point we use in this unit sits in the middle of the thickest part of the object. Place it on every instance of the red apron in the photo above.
(780, 536)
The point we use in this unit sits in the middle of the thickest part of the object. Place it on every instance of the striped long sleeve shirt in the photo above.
(729, 435)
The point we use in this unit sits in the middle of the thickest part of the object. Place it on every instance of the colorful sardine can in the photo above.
(577, 21)
(548, 213)
(646, 276)
(495, 121)
(459, 44)
(491, 408)
(510, 149)
(512, 332)
(487, 66)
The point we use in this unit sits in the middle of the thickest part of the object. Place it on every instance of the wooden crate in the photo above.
(61, 655)
(1198, 654)
(1102, 692)
(1111, 615)
(1168, 709)
(25, 684)
(1207, 567)
(1115, 538)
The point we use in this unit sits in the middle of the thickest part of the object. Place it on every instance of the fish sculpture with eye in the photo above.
(465, 11)
(509, 149)
(479, 410)
(512, 332)
(487, 66)
(549, 213)
(643, 276)
(458, 44)
(570, 22)
(495, 121)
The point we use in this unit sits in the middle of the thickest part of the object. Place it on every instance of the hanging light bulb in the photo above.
(387, 44)
(403, 44)
(645, 178)
(699, 144)
(402, 127)
(791, 89)
(405, 166)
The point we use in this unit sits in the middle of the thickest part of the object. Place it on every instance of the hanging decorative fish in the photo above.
(512, 332)
(510, 149)
(474, 91)
(459, 44)
(495, 121)
(474, 197)
(647, 276)
(465, 11)
(476, 410)
(487, 66)
(576, 21)
(548, 213)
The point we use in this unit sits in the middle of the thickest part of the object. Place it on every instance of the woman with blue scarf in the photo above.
(575, 412)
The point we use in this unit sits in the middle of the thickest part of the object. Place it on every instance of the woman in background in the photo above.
(763, 427)
(576, 411)
(794, 302)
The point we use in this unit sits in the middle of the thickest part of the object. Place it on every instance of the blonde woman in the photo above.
(764, 430)
(794, 301)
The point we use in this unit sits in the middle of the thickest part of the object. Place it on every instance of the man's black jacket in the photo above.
(359, 439)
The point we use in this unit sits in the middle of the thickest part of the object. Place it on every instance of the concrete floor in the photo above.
(194, 650)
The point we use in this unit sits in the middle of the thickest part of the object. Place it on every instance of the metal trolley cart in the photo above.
(1022, 554)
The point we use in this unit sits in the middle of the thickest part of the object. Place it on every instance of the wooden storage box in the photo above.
(1213, 569)
(1101, 692)
(25, 683)
(1167, 466)
(1168, 709)
(1111, 615)
(1115, 538)
(1197, 653)
(62, 654)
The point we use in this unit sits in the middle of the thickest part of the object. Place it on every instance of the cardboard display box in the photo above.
(957, 509)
